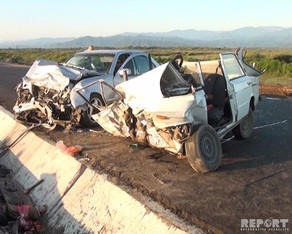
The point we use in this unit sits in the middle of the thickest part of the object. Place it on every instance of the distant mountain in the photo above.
(266, 37)
(247, 36)
(43, 42)
(126, 41)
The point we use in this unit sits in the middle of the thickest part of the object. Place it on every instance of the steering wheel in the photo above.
(177, 64)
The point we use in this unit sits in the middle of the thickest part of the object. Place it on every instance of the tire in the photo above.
(203, 149)
(245, 129)
(86, 120)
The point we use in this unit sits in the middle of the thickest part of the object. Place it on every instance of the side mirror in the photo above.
(124, 73)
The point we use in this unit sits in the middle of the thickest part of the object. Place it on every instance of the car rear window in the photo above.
(172, 83)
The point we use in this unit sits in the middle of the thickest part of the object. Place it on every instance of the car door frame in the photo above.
(134, 73)
(116, 77)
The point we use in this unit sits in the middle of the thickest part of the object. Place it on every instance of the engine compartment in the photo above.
(46, 106)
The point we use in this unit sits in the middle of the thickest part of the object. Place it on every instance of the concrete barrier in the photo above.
(79, 199)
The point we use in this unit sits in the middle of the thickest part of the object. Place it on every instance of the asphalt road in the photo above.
(10, 76)
(254, 180)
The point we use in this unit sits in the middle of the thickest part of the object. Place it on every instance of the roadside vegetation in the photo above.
(276, 62)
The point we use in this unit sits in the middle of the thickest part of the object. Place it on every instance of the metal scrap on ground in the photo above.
(17, 212)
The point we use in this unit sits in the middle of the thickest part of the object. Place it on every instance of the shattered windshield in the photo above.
(95, 62)
(172, 83)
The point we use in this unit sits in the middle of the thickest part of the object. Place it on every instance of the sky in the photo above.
(32, 19)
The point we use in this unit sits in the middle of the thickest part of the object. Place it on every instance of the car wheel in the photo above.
(245, 129)
(203, 149)
(86, 119)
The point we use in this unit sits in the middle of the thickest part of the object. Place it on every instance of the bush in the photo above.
(284, 58)
(16, 59)
(277, 63)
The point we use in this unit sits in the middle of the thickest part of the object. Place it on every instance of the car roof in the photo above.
(114, 52)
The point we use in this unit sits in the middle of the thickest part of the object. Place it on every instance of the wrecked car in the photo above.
(188, 113)
(65, 94)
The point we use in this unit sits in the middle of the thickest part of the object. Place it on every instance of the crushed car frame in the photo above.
(190, 112)
(64, 94)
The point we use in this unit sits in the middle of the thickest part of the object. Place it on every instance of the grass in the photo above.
(27, 56)
(276, 62)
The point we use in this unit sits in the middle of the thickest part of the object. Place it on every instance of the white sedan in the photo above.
(190, 112)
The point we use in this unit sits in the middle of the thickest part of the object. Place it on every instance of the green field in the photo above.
(276, 62)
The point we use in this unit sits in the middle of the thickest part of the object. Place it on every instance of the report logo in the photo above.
(272, 225)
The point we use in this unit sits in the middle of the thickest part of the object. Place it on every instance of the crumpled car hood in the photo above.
(52, 75)
(146, 111)
(137, 91)
(150, 90)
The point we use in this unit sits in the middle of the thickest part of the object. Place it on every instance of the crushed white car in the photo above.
(187, 113)
(68, 94)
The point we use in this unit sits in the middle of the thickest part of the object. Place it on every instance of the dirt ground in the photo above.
(254, 180)
(277, 90)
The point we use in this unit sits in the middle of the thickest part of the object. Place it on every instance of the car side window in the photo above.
(142, 64)
(122, 58)
(232, 68)
(130, 65)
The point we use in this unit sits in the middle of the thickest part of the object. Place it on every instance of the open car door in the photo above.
(239, 85)
(249, 70)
